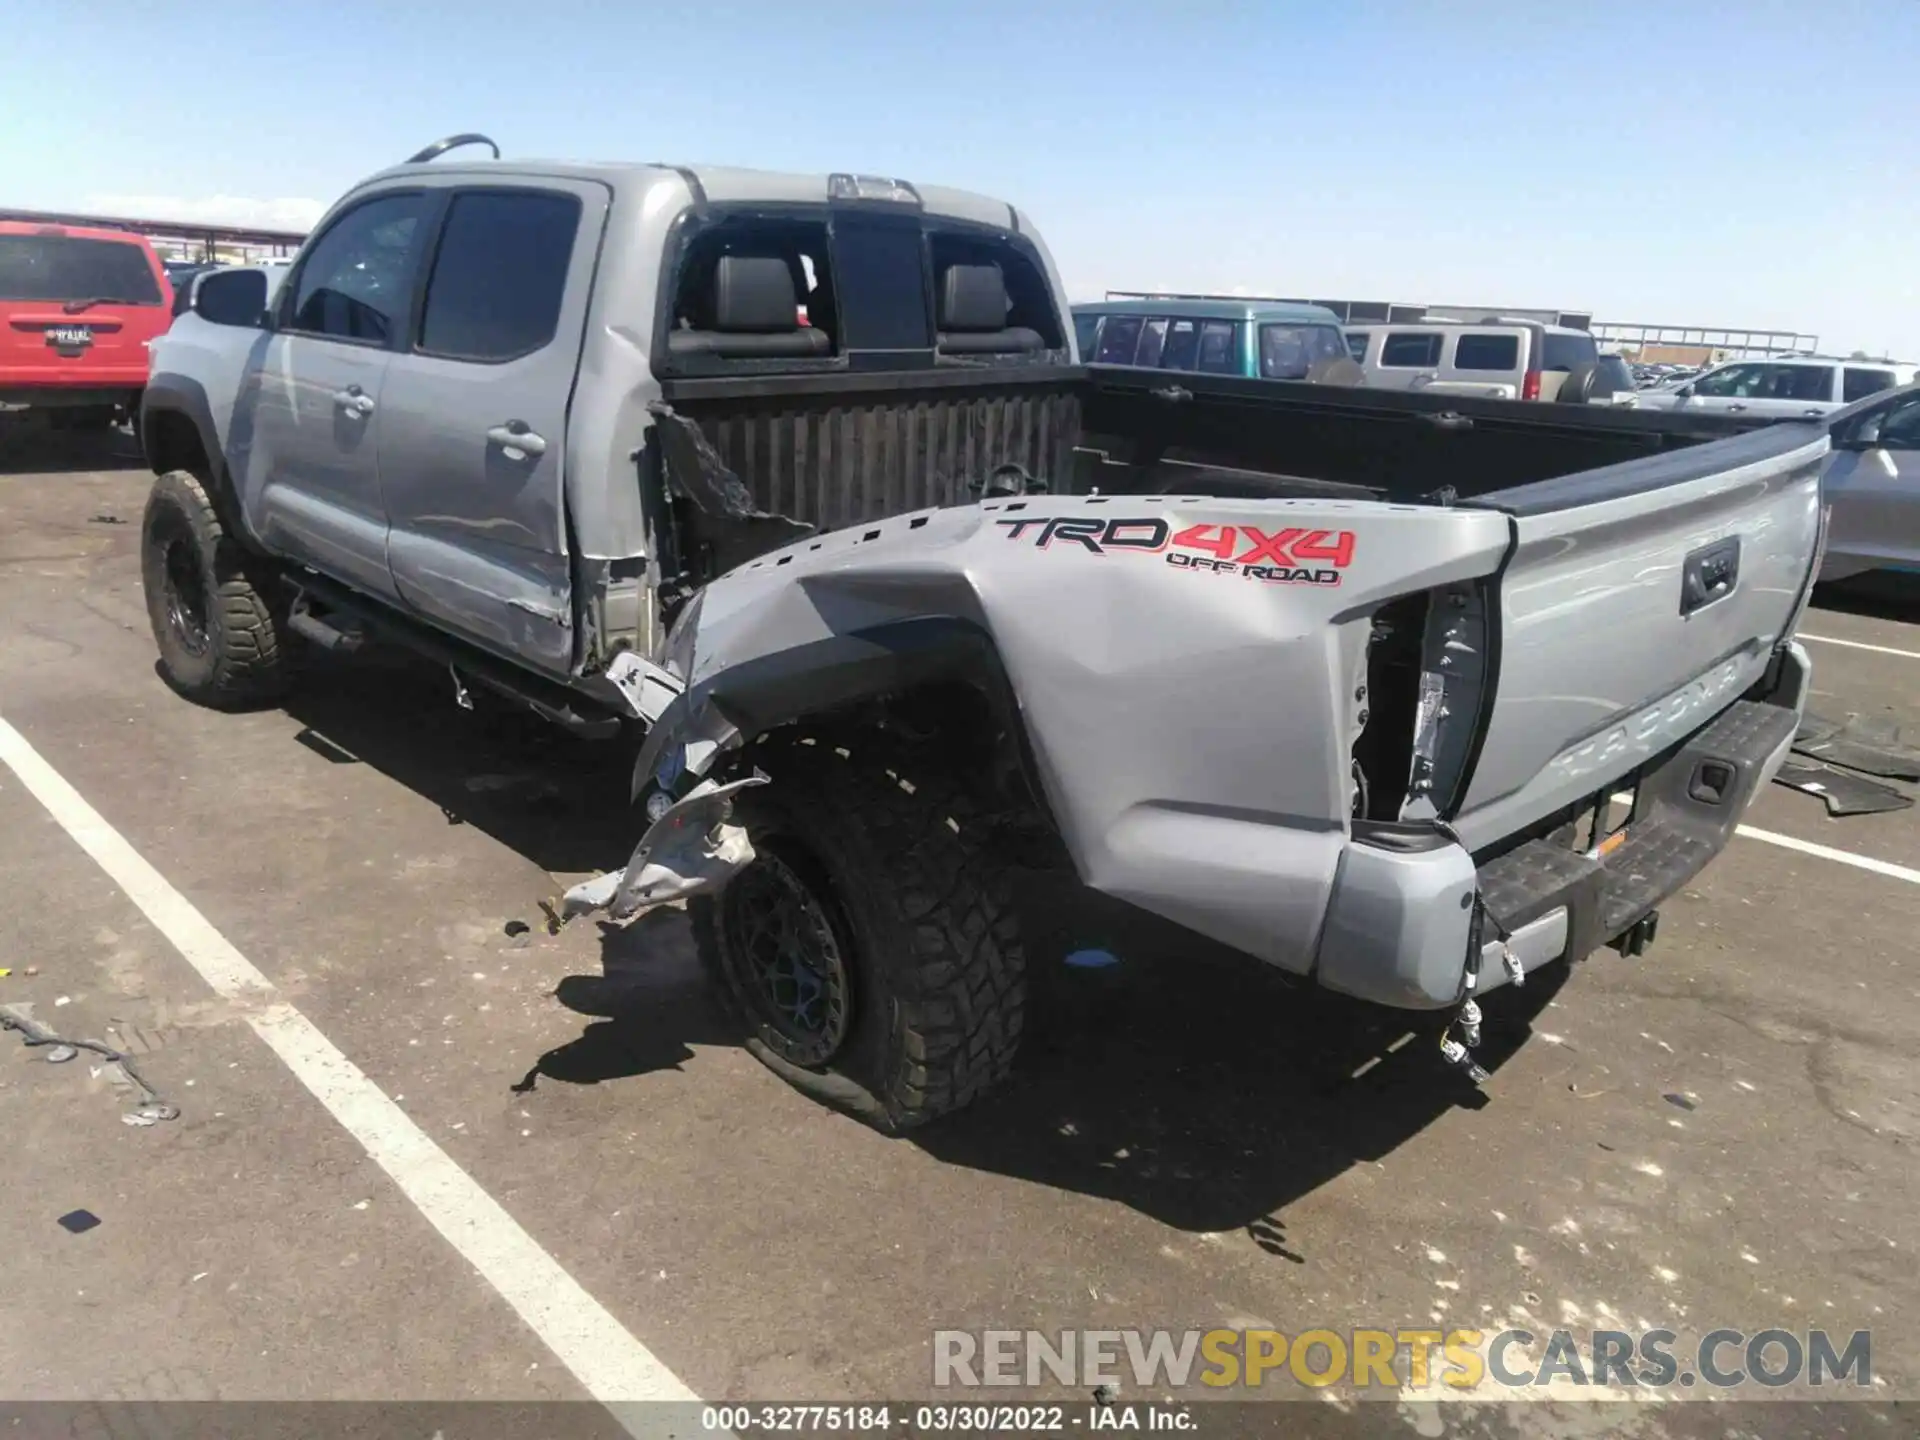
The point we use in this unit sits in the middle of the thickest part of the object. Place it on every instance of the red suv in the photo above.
(77, 308)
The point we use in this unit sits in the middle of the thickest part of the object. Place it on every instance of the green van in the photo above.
(1258, 339)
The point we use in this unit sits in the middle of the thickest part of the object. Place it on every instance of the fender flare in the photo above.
(739, 703)
(171, 393)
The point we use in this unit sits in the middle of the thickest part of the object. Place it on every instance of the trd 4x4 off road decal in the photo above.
(1291, 556)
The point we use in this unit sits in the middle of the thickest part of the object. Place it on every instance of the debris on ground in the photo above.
(152, 1107)
(1873, 746)
(78, 1222)
(1844, 794)
(1831, 751)
(1683, 1101)
(106, 519)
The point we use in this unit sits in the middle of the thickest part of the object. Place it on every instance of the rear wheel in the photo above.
(871, 949)
(218, 632)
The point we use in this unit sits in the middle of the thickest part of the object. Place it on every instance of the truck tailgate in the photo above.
(1638, 602)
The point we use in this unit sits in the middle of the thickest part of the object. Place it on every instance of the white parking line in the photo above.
(1860, 645)
(613, 1366)
(1827, 852)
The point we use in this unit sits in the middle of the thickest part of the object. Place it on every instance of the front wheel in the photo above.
(218, 632)
(871, 949)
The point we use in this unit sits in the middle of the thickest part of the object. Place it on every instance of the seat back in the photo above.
(751, 313)
(973, 314)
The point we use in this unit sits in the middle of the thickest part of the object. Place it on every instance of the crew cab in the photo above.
(901, 599)
(77, 308)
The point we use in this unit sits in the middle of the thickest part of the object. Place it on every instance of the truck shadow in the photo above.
(561, 802)
(1187, 1082)
(28, 447)
(1877, 595)
(1208, 1091)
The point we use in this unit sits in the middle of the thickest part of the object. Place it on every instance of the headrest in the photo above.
(754, 293)
(973, 297)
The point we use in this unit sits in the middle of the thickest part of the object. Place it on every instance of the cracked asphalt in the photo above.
(1720, 1133)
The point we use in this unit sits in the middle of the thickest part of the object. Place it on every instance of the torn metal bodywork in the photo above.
(692, 847)
(1180, 718)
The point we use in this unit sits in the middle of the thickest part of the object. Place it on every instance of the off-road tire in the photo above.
(216, 616)
(922, 907)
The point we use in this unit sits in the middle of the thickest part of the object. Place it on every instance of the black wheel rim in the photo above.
(186, 592)
(788, 961)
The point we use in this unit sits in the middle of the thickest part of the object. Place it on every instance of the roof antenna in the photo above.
(452, 142)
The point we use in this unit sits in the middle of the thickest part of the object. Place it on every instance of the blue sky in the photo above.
(1729, 162)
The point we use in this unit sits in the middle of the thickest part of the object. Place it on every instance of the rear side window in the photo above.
(1288, 352)
(1566, 352)
(1182, 347)
(1798, 382)
(1118, 337)
(1085, 329)
(356, 281)
(1487, 352)
(500, 274)
(1153, 339)
(1219, 348)
(1858, 384)
(59, 268)
(1410, 351)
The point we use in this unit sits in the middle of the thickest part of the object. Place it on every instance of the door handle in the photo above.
(354, 400)
(514, 435)
(1736, 407)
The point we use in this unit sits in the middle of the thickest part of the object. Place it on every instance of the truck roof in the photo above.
(720, 184)
(1212, 310)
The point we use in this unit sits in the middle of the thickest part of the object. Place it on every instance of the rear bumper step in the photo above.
(1684, 815)
(1399, 925)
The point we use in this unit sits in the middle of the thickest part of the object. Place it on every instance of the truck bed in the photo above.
(829, 451)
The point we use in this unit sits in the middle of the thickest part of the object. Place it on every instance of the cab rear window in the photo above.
(57, 269)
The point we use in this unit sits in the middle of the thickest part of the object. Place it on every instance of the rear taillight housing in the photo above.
(1530, 387)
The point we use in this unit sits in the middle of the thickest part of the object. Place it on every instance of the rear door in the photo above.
(1638, 601)
(473, 442)
(76, 311)
(1406, 358)
(1485, 362)
(312, 414)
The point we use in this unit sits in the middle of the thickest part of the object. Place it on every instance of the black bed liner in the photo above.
(829, 450)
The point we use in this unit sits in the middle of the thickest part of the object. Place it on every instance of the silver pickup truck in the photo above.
(796, 481)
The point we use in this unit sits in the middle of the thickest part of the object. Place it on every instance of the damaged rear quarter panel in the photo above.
(1192, 727)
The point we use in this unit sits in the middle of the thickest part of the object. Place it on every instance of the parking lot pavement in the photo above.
(1718, 1133)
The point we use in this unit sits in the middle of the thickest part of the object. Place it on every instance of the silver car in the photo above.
(1872, 481)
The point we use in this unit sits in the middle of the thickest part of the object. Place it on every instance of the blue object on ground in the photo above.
(1092, 959)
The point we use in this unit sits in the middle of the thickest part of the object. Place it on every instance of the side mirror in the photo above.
(1864, 436)
(231, 297)
(1685, 392)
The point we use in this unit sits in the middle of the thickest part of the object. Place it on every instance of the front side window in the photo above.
(1085, 329)
(356, 282)
(1900, 426)
(58, 269)
(1487, 352)
(1410, 351)
(1729, 382)
(499, 275)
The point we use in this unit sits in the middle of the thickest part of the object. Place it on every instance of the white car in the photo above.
(1784, 387)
